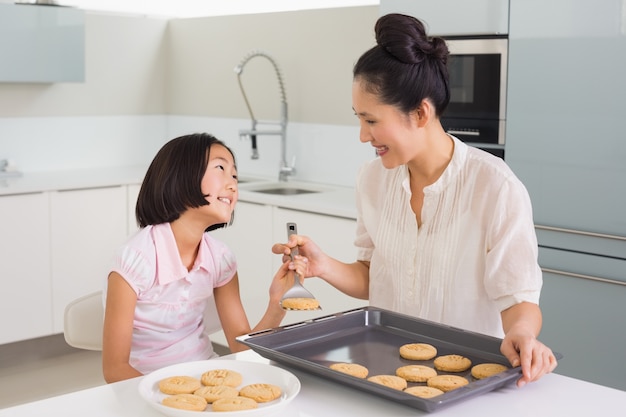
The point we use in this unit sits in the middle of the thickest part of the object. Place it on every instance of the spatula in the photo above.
(297, 297)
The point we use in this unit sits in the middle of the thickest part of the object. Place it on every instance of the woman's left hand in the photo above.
(520, 346)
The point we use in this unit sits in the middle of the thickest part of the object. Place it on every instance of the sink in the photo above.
(285, 191)
(281, 188)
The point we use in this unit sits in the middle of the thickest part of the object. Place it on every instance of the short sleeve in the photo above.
(135, 267)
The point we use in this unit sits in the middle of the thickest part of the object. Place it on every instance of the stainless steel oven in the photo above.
(478, 78)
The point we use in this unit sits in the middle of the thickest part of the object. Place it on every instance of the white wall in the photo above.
(149, 80)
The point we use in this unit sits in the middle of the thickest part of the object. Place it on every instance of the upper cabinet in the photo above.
(455, 17)
(41, 44)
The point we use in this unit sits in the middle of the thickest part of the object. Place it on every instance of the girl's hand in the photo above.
(283, 279)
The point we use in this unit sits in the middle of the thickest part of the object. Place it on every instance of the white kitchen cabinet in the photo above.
(455, 17)
(250, 238)
(25, 303)
(256, 228)
(86, 227)
(132, 193)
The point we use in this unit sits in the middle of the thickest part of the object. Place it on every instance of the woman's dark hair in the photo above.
(406, 66)
(173, 181)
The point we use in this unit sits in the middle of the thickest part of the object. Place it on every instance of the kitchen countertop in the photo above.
(329, 199)
(553, 395)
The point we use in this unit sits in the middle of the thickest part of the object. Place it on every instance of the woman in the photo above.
(444, 231)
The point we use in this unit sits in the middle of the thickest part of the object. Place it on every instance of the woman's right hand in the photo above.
(308, 249)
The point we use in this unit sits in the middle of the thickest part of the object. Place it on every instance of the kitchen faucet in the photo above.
(285, 168)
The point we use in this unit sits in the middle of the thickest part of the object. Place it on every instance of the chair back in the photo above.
(84, 318)
(83, 322)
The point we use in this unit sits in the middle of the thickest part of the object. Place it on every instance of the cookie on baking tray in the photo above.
(418, 351)
(221, 377)
(261, 393)
(423, 391)
(391, 381)
(234, 404)
(188, 402)
(213, 393)
(353, 369)
(180, 384)
(416, 373)
(452, 363)
(485, 370)
(447, 382)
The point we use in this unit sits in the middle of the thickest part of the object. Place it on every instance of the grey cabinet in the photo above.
(455, 17)
(565, 107)
(41, 44)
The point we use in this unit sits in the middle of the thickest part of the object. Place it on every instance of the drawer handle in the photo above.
(579, 232)
(582, 276)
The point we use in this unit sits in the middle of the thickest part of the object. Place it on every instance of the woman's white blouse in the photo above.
(474, 255)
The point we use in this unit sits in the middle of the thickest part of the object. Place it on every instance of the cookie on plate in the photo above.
(391, 381)
(353, 369)
(179, 385)
(221, 377)
(418, 351)
(452, 363)
(234, 404)
(416, 373)
(261, 393)
(213, 393)
(485, 370)
(423, 391)
(188, 402)
(447, 382)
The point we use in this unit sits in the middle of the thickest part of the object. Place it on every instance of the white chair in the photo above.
(83, 321)
(84, 318)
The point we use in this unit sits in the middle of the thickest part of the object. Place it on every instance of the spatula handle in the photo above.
(292, 229)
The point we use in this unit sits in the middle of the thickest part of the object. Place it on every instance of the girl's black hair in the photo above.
(173, 181)
(406, 66)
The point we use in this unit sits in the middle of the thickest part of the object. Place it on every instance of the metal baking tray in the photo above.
(372, 337)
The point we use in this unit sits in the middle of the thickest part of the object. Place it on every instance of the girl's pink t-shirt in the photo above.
(168, 327)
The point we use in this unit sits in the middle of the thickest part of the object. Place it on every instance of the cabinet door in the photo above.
(584, 320)
(335, 236)
(476, 17)
(87, 226)
(132, 193)
(25, 302)
(250, 238)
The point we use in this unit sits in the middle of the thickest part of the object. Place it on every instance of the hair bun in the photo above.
(405, 38)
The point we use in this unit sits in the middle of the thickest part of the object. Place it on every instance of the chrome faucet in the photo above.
(285, 168)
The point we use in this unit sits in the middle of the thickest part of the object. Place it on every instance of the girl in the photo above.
(444, 230)
(161, 279)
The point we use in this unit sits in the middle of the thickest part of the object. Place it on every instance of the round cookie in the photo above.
(300, 303)
(221, 377)
(353, 369)
(485, 370)
(447, 382)
(234, 404)
(418, 351)
(261, 393)
(423, 391)
(452, 363)
(416, 373)
(188, 402)
(179, 385)
(213, 393)
(391, 381)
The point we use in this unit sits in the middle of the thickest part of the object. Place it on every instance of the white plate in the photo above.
(252, 373)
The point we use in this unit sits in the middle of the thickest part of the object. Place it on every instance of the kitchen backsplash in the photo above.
(329, 154)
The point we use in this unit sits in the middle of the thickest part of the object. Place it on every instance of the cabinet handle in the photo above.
(582, 276)
(579, 232)
(102, 187)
